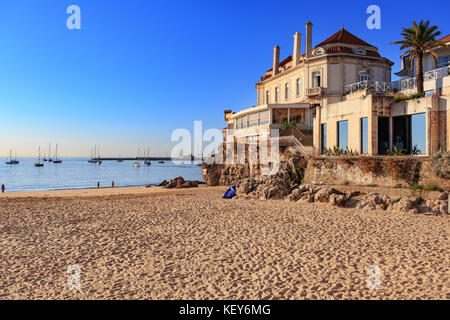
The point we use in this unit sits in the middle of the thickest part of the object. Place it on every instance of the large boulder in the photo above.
(247, 186)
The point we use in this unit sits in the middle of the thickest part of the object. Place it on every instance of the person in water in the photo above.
(98, 184)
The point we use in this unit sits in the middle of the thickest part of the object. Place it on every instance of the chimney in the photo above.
(297, 48)
(308, 45)
(276, 60)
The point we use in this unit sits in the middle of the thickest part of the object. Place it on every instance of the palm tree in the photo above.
(418, 40)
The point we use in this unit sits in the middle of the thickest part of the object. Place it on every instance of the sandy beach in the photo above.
(152, 243)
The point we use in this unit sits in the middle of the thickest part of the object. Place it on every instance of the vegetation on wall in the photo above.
(338, 152)
(402, 97)
(440, 164)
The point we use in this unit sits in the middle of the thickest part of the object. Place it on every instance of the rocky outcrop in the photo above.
(179, 182)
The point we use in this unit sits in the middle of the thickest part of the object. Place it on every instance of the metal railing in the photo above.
(369, 85)
(399, 85)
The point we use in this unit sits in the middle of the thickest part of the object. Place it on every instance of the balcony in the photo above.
(313, 92)
(377, 86)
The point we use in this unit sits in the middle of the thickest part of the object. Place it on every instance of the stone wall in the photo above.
(385, 172)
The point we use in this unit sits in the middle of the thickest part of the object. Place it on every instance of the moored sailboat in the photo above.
(39, 163)
(56, 156)
(11, 161)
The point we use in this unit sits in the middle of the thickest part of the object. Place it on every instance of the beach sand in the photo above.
(152, 243)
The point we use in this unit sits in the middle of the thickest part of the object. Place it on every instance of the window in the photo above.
(364, 75)
(343, 134)
(267, 97)
(253, 119)
(429, 93)
(286, 91)
(316, 79)
(359, 51)
(299, 87)
(264, 117)
(252, 139)
(418, 132)
(277, 94)
(364, 136)
(238, 124)
(323, 137)
(443, 61)
(318, 52)
(244, 122)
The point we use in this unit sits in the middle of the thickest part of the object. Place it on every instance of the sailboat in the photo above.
(137, 164)
(120, 158)
(44, 158)
(98, 162)
(39, 163)
(49, 153)
(91, 160)
(56, 156)
(147, 162)
(11, 161)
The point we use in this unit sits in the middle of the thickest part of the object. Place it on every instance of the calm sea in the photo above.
(76, 173)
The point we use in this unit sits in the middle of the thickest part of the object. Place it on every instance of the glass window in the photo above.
(267, 97)
(299, 88)
(253, 119)
(323, 137)
(418, 132)
(343, 134)
(238, 124)
(277, 92)
(316, 79)
(264, 117)
(244, 122)
(286, 91)
(364, 75)
(364, 136)
(443, 61)
(429, 93)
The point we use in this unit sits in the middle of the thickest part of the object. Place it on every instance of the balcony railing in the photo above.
(369, 85)
(316, 91)
(410, 83)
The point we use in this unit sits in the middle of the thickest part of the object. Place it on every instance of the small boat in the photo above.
(137, 164)
(146, 161)
(11, 161)
(92, 160)
(160, 161)
(120, 160)
(56, 156)
(49, 153)
(39, 163)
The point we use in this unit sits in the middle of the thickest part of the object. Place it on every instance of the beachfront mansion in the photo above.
(339, 93)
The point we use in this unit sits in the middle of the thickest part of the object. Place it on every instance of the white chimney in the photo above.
(276, 60)
(297, 48)
(308, 44)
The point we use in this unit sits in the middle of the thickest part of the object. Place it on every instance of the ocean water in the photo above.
(76, 173)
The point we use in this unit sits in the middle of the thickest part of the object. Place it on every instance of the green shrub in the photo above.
(416, 187)
(432, 187)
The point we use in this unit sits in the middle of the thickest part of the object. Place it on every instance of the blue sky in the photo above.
(139, 69)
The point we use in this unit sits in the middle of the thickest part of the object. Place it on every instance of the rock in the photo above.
(443, 196)
(306, 197)
(190, 184)
(295, 195)
(440, 207)
(414, 210)
(174, 182)
(164, 183)
(323, 194)
(404, 205)
(337, 199)
(247, 186)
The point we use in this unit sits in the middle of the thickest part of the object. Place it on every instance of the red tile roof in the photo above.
(343, 36)
(282, 63)
(445, 39)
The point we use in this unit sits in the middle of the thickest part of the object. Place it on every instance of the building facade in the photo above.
(340, 94)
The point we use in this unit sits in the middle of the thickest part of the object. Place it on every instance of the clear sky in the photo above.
(138, 69)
